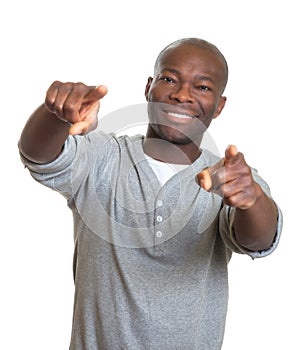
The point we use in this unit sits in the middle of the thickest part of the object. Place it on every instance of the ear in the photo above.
(148, 85)
(220, 106)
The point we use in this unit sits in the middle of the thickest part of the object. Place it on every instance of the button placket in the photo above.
(158, 219)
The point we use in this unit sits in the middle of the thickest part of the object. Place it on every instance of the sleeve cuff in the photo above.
(260, 253)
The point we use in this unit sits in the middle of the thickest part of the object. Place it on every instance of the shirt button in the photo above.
(159, 218)
(158, 234)
(159, 203)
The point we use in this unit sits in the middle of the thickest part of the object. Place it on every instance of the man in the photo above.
(156, 217)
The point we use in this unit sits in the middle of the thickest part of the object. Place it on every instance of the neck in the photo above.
(169, 152)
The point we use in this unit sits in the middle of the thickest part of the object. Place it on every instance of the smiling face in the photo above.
(185, 93)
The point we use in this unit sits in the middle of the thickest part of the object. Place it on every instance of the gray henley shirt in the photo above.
(150, 261)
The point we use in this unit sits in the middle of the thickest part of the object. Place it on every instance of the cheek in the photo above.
(150, 98)
(152, 95)
(208, 115)
(156, 93)
(211, 108)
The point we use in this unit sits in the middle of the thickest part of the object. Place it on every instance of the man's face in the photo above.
(185, 94)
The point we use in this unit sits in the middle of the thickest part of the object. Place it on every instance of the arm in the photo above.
(256, 214)
(69, 109)
(255, 227)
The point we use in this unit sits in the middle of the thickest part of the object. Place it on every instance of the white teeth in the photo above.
(181, 116)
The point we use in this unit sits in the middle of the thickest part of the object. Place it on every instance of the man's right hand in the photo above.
(76, 104)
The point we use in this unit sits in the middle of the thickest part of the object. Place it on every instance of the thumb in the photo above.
(204, 178)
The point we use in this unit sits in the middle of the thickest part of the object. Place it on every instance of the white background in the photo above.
(115, 43)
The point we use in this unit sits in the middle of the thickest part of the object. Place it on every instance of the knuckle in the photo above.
(55, 85)
(59, 111)
(218, 178)
(231, 202)
(79, 88)
(68, 107)
(49, 102)
(81, 85)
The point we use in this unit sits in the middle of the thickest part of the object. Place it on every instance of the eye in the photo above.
(203, 87)
(167, 79)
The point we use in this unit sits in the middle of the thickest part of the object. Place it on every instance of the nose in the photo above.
(182, 94)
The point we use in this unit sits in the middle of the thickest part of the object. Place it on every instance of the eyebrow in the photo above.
(198, 76)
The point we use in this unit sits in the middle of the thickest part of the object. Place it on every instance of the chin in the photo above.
(173, 135)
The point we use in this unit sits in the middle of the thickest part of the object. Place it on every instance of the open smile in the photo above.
(179, 115)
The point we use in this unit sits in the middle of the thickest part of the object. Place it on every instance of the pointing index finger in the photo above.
(96, 94)
(231, 155)
(92, 98)
(231, 151)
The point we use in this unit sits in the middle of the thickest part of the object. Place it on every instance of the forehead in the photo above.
(189, 58)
